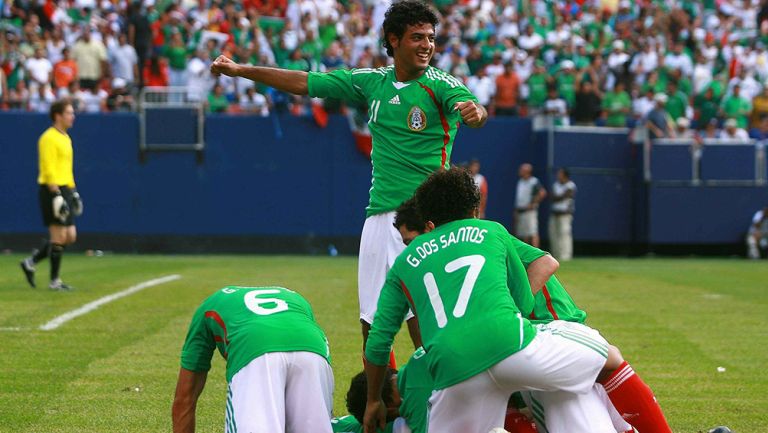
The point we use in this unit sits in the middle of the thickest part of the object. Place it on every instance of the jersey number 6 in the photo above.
(257, 305)
(475, 264)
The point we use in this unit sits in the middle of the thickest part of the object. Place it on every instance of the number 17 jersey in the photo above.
(457, 280)
(413, 124)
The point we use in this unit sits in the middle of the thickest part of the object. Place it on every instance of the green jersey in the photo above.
(413, 124)
(416, 385)
(457, 280)
(349, 424)
(615, 104)
(552, 302)
(244, 323)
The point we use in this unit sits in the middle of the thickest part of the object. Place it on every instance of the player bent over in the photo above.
(619, 383)
(457, 280)
(278, 372)
(59, 200)
(414, 110)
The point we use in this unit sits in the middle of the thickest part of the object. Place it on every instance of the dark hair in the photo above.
(403, 14)
(447, 195)
(408, 215)
(58, 107)
(357, 395)
(566, 172)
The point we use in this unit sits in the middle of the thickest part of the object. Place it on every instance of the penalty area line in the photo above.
(87, 308)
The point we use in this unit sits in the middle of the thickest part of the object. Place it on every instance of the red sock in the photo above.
(516, 422)
(635, 401)
(392, 362)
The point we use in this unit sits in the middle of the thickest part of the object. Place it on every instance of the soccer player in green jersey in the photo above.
(278, 372)
(414, 114)
(458, 279)
(625, 389)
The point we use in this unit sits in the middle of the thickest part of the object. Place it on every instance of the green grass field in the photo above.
(114, 369)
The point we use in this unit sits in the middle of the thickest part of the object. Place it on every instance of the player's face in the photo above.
(415, 49)
(408, 235)
(67, 118)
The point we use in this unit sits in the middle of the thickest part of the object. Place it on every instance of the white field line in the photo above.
(87, 308)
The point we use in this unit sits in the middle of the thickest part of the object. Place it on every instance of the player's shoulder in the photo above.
(440, 78)
(370, 75)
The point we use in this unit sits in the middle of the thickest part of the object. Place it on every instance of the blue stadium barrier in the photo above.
(285, 176)
(672, 160)
(728, 162)
(702, 214)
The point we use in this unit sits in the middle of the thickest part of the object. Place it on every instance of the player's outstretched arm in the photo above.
(188, 389)
(288, 81)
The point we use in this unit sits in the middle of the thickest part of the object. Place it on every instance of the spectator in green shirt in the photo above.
(616, 105)
(566, 81)
(537, 86)
(677, 104)
(707, 107)
(217, 101)
(176, 53)
(736, 107)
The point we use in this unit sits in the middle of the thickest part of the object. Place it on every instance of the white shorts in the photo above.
(380, 244)
(288, 392)
(562, 357)
(564, 412)
(527, 224)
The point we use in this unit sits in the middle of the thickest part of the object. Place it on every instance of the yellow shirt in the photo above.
(55, 150)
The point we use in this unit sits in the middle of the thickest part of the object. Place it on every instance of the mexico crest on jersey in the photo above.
(417, 119)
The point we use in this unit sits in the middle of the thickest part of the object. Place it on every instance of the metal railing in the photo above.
(170, 98)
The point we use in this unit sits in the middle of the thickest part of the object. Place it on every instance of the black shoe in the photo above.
(59, 286)
(29, 271)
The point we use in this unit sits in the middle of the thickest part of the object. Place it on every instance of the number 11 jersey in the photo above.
(458, 281)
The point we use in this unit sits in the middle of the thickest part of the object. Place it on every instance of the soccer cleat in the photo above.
(29, 270)
(721, 429)
(59, 286)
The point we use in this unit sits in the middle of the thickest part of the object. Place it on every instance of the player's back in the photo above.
(456, 278)
(247, 322)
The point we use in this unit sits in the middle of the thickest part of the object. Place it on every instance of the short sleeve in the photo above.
(527, 253)
(455, 91)
(339, 84)
(199, 345)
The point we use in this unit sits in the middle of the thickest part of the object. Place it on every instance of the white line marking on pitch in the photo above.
(87, 308)
(10, 328)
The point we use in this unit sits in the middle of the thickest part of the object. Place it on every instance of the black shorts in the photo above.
(46, 205)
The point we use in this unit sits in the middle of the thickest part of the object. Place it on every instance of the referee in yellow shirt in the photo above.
(59, 200)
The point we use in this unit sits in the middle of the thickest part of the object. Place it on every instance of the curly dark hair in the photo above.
(403, 14)
(357, 395)
(447, 195)
(408, 215)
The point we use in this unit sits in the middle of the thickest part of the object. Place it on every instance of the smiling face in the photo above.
(413, 51)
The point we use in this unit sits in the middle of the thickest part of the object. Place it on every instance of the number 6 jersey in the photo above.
(458, 281)
(247, 322)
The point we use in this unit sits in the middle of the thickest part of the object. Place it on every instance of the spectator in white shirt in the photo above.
(733, 132)
(482, 86)
(124, 61)
(677, 59)
(254, 103)
(644, 62)
(530, 40)
(39, 69)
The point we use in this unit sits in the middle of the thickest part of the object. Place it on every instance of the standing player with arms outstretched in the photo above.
(59, 200)
(414, 110)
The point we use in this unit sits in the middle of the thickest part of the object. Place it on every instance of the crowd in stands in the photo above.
(671, 64)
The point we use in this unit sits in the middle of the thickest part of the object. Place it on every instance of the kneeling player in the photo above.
(626, 390)
(277, 358)
(457, 280)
